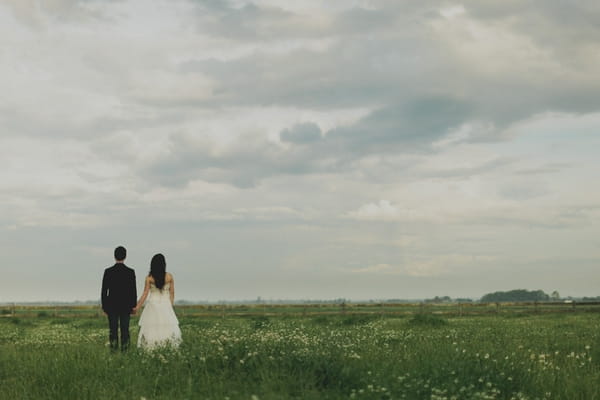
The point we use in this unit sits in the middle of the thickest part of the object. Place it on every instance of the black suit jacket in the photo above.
(119, 292)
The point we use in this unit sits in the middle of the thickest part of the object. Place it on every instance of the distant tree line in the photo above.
(597, 298)
(518, 295)
(447, 299)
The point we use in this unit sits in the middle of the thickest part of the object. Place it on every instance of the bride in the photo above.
(158, 322)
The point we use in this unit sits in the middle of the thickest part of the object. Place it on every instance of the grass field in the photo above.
(425, 356)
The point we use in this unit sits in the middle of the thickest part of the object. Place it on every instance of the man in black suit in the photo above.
(119, 297)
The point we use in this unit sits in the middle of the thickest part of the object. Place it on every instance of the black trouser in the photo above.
(114, 319)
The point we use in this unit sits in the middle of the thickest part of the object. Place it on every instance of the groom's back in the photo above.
(118, 288)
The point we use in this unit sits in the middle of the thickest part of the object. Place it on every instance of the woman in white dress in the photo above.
(158, 322)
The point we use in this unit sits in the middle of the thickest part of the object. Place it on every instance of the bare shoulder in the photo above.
(149, 279)
(169, 277)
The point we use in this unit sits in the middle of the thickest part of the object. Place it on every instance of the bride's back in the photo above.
(164, 292)
(168, 280)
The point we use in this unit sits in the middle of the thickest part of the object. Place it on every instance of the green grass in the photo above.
(310, 357)
(428, 320)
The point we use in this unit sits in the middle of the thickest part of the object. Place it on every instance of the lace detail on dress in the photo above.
(165, 288)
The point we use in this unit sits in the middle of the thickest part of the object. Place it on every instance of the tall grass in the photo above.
(337, 357)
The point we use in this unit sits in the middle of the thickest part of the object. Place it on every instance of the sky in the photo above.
(356, 149)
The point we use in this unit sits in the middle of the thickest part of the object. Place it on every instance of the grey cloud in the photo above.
(550, 222)
(360, 20)
(20, 121)
(567, 33)
(252, 21)
(418, 93)
(387, 56)
(242, 165)
(489, 166)
(524, 190)
(354, 70)
(301, 133)
(408, 61)
(552, 23)
(550, 168)
(34, 13)
(350, 73)
(406, 128)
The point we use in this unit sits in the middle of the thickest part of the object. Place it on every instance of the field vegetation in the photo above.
(344, 356)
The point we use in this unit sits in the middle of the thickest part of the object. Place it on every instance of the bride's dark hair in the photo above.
(158, 267)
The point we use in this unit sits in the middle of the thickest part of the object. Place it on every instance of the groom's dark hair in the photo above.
(120, 253)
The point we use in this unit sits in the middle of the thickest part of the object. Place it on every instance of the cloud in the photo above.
(549, 168)
(251, 21)
(377, 268)
(242, 165)
(414, 61)
(267, 213)
(383, 210)
(409, 128)
(466, 172)
(428, 266)
(550, 23)
(42, 14)
(301, 133)
(565, 217)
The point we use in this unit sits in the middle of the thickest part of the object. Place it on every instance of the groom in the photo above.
(119, 297)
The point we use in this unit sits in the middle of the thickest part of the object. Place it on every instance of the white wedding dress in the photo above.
(158, 322)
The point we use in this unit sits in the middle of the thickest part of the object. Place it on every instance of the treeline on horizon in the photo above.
(516, 295)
